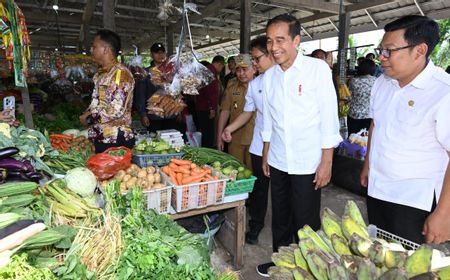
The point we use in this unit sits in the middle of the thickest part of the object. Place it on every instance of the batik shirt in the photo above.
(111, 104)
(360, 88)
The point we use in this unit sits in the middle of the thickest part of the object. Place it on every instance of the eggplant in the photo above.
(24, 176)
(34, 176)
(8, 152)
(14, 164)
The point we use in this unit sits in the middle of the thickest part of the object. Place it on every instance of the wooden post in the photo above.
(27, 107)
(344, 25)
(109, 15)
(245, 26)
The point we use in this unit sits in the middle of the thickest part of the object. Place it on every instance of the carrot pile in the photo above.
(184, 172)
(61, 141)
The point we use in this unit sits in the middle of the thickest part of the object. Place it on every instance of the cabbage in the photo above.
(74, 132)
(83, 133)
(81, 180)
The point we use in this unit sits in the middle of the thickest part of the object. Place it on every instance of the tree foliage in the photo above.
(440, 55)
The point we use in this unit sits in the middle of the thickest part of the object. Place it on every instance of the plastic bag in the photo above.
(136, 68)
(164, 105)
(105, 165)
(191, 76)
(164, 73)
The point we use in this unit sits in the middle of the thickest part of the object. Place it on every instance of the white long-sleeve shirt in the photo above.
(300, 115)
(410, 138)
(253, 103)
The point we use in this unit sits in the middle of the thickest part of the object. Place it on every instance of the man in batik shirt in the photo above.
(109, 114)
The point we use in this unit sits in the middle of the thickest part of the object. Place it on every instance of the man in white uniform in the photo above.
(407, 167)
(300, 131)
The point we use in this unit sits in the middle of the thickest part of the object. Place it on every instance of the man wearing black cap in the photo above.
(145, 88)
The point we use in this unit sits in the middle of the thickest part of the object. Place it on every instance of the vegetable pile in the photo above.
(147, 178)
(185, 172)
(222, 162)
(153, 147)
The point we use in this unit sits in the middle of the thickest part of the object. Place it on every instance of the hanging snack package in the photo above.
(164, 105)
(163, 74)
(193, 76)
(105, 165)
(136, 68)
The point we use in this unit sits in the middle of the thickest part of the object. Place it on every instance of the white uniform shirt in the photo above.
(410, 139)
(253, 102)
(300, 115)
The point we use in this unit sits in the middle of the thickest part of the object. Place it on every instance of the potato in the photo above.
(158, 186)
(129, 170)
(126, 178)
(157, 177)
(151, 169)
(134, 166)
(142, 182)
(132, 182)
(123, 187)
(142, 173)
(120, 175)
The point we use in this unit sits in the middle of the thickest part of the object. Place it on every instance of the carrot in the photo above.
(173, 176)
(165, 169)
(179, 177)
(62, 136)
(194, 178)
(193, 166)
(184, 170)
(174, 166)
(181, 161)
(15, 239)
(209, 177)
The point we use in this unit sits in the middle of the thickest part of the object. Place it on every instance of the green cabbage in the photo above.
(81, 180)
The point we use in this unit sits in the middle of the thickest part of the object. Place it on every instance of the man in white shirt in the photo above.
(407, 166)
(258, 198)
(300, 131)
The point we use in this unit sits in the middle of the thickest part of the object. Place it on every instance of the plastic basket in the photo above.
(155, 159)
(379, 233)
(198, 195)
(240, 186)
(159, 199)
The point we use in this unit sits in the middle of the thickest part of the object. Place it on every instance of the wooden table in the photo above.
(239, 225)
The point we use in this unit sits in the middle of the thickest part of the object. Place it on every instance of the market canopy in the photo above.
(215, 31)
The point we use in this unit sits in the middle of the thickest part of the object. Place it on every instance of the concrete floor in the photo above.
(332, 197)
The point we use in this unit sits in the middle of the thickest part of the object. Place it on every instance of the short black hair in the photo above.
(260, 43)
(367, 67)
(370, 55)
(231, 58)
(418, 30)
(317, 51)
(111, 38)
(218, 58)
(294, 23)
(448, 69)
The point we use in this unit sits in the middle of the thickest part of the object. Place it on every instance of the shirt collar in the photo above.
(423, 79)
(297, 63)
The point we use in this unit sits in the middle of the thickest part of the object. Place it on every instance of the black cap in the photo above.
(156, 47)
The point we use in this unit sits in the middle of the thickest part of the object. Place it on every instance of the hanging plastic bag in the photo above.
(190, 78)
(105, 165)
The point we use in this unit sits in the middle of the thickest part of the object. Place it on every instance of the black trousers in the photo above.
(355, 125)
(206, 126)
(101, 147)
(295, 203)
(401, 220)
(258, 197)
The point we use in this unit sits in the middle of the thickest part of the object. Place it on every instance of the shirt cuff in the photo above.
(266, 135)
(331, 141)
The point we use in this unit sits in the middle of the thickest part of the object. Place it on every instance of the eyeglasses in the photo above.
(256, 59)
(387, 52)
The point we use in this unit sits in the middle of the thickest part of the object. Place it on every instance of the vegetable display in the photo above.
(81, 181)
(222, 162)
(146, 178)
(343, 250)
(153, 147)
(184, 172)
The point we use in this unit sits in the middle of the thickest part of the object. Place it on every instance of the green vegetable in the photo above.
(20, 269)
(15, 188)
(72, 131)
(118, 153)
(81, 181)
(44, 238)
(20, 200)
(202, 156)
(9, 218)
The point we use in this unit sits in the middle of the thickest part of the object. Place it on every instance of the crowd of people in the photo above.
(277, 111)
